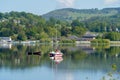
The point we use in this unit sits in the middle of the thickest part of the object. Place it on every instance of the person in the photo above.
(57, 50)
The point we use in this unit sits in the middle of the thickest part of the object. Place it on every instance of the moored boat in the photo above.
(56, 53)
(34, 53)
(52, 54)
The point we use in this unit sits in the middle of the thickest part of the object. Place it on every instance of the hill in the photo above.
(69, 14)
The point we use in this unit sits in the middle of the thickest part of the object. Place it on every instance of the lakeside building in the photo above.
(5, 39)
(88, 36)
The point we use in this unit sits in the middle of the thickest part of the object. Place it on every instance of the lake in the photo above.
(79, 62)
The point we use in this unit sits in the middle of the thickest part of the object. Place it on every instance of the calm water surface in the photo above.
(83, 62)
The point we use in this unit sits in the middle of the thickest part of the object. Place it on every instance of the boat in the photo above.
(29, 53)
(52, 54)
(34, 53)
(56, 56)
(56, 53)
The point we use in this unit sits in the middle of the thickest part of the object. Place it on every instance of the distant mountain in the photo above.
(69, 14)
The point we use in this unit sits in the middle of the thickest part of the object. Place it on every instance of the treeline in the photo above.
(103, 24)
(27, 26)
(95, 20)
(69, 14)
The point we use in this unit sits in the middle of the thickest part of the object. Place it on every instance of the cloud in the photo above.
(66, 3)
(111, 1)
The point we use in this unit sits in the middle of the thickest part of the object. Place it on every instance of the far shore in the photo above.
(34, 42)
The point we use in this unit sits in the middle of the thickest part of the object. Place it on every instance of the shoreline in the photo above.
(37, 42)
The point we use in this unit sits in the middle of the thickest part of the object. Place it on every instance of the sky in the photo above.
(40, 7)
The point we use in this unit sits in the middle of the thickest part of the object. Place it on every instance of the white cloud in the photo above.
(111, 1)
(66, 3)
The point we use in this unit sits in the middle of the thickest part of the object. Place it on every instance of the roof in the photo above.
(89, 35)
(5, 38)
(73, 37)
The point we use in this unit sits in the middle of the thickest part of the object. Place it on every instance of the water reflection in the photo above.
(57, 59)
(6, 45)
(80, 63)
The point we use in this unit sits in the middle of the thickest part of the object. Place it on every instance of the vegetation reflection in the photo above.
(78, 57)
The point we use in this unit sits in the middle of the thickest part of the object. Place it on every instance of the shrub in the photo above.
(100, 41)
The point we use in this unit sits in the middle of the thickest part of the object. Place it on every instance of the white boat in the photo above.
(56, 53)
(52, 54)
(56, 56)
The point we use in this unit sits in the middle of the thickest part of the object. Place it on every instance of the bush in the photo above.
(100, 41)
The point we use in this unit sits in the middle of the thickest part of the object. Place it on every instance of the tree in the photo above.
(43, 35)
(1, 15)
(65, 31)
(78, 31)
(51, 31)
(21, 36)
(113, 36)
(76, 23)
(6, 32)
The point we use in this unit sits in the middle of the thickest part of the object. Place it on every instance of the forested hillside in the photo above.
(103, 24)
(95, 20)
(27, 26)
(69, 14)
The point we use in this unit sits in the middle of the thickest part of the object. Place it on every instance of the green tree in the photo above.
(76, 23)
(6, 32)
(21, 36)
(51, 31)
(43, 35)
(78, 31)
(65, 31)
(113, 36)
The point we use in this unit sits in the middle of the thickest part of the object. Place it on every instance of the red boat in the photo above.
(57, 53)
(58, 59)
